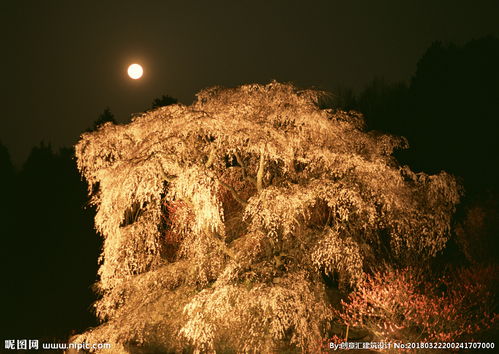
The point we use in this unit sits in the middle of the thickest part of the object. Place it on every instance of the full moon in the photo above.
(135, 71)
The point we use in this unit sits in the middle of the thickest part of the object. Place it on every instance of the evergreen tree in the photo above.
(163, 101)
(104, 117)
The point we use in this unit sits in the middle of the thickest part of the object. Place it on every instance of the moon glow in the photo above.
(135, 71)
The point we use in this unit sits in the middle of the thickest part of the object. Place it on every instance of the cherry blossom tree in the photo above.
(222, 220)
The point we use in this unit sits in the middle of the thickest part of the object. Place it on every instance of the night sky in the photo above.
(64, 62)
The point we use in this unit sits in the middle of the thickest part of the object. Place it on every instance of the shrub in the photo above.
(403, 305)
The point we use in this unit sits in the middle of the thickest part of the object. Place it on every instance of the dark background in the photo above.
(427, 70)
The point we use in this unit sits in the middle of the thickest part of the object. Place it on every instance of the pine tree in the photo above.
(222, 220)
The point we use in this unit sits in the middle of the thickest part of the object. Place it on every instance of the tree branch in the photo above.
(166, 177)
(243, 167)
(259, 174)
(225, 249)
(211, 158)
(234, 193)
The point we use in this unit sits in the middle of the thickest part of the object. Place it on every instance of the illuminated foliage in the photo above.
(222, 219)
(404, 306)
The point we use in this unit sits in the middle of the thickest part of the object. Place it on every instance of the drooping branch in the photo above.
(211, 158)
(243, 168)
(259, 174)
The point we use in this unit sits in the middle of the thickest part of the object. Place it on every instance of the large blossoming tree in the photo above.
(224, 221)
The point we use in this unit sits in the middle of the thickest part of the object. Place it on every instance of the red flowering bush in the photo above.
(403, 305)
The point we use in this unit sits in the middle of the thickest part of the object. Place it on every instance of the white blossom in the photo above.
(220, 219)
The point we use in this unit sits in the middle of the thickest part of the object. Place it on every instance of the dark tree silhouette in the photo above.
(384, 104)
(51, 240)
(104, 117)
(448, 112)
(454, 110)
(8, 238)
(6, 166)
(164, 100)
